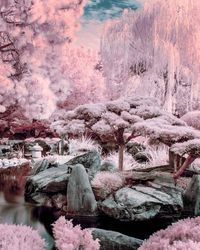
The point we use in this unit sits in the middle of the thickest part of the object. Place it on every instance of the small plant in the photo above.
(157, 155)
(68, 237)
(18, 237)
(83, 144)
(106, 183)
(182, 235)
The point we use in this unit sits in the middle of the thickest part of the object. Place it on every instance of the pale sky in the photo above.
(95, 14)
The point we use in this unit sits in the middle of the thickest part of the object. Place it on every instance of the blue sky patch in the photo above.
(101, 10)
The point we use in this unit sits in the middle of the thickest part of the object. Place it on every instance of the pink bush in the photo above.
(73, 238)
(107, 182)
(182, 235)
(19, 237)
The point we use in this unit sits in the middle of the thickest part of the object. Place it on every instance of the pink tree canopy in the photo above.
(40, 65)
(121, 120)
(140, 56)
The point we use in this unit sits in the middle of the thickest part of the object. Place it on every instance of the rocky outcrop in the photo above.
(47, 179)
(145, 195)
(192, 196)
(134, 147)
(46, 183)
(108, 166)
(90, 160)
(40, 166)
(80, 197)
(142, 157)
(110, 240)
(157, 198)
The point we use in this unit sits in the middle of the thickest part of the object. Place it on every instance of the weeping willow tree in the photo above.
(155, 51)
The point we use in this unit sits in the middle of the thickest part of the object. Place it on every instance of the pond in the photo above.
(14, 210)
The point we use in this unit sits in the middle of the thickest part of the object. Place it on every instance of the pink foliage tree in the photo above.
(141, 57)
(191, 148)
(40, 65)
(121, 120)
(174, 133)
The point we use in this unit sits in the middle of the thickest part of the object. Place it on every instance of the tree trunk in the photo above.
(121, 157)
(186, 164)
(119, 135)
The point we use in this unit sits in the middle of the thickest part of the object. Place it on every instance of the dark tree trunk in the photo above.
(186, 164)
(121, 157)
(121, 143)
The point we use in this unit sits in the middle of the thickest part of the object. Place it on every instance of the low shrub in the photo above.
(19, 237)
(83, 144)
(106, 182)
(182, 235)
(68, 237)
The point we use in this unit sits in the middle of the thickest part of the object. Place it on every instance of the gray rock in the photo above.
(108, 166)
(45, 183)
(80, 197)
(40, 166)
(133, 148)
(142, 202)
(90, 160)
(161, 168)
(46, 180)
(110, 240)
(192, 196)
(142, 157)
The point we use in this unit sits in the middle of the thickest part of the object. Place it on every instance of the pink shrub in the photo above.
(107, 182)
(73, 238)
(19, 237)
(182, 235)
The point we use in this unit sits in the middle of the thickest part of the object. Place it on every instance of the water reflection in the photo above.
(14, 210)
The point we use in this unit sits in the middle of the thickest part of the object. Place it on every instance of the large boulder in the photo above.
(47, 179)
(108, 165)
(46, 183)
(157, 198)
(110, 240)
(90, 160)
(40, 166)
(192, 196)
(134, 147)
(80, 197)
(142, 157)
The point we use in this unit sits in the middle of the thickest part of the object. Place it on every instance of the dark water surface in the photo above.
(14, 210)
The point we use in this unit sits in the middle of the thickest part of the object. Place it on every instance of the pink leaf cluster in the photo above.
(136, 115)
(107, 117)
(73, 238)
(182, 235)
(17, 237)
(107, 181)
(188, 147)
